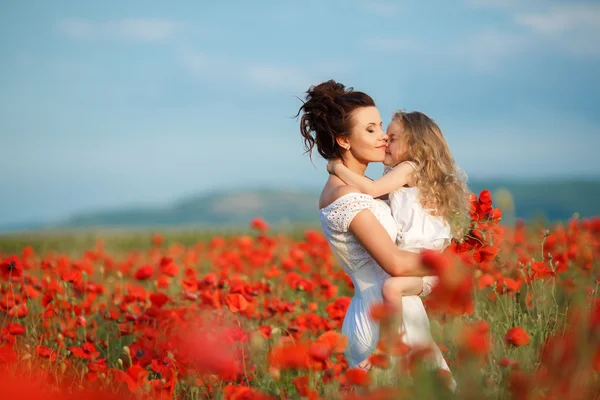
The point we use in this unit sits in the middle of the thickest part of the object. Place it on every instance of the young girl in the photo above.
(427, 197)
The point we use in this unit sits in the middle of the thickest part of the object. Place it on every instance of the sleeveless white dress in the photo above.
(368, 277)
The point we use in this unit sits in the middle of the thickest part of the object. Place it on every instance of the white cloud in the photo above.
(483, 51)
(136, 29)
(560, 19)
(573, 27)
(196, 63)
(507, 4)
(486, 50)
(294, 79)
(265, 76)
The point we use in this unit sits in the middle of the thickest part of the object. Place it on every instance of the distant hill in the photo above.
(231, 208)
(555, 201)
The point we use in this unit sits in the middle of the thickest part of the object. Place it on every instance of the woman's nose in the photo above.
(384, 135)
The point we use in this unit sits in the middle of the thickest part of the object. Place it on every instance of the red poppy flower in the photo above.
(72, 275)
(541, 270)
(290, 356)
(45, 352)
(265, 331)
(169, 269)
(475, 338)
(436, 262)
(15, 329)
(159, 299)
(397, 347)
(358, 377)
(236, 302)
(238, 392)
(144, 272)
(335, 340)
(86, 351)
(510, 285)
(464, 247)
(485, 197)
(301, 384)
(486, 254)
(380, 361)
(133, 378)
(485, 280)
(517, 337)
(11, 267)
(81, 321)
(381, 312)
(19, 311)
(259, 224)
(157, 240)
(496, 215)
(506, 362)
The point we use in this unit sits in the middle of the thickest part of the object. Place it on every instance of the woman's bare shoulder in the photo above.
(333, 191)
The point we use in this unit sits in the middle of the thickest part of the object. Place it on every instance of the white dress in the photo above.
(368, 277)
(417, 228)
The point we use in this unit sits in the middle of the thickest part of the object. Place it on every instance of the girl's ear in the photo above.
(343, 142)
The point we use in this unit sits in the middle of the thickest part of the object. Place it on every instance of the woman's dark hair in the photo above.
(327, 115)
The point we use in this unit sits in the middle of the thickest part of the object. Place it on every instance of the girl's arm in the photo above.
(391, 181)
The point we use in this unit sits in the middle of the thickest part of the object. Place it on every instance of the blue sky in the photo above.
(144, 102)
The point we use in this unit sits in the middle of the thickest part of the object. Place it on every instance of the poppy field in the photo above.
(258, 315)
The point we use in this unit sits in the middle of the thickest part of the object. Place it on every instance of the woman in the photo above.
(345, 124)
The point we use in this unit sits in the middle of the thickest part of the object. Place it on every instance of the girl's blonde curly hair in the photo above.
(442, 186)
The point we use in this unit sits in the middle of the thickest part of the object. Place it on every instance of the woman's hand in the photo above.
(331, 165)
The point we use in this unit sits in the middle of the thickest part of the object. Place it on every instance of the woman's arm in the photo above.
(391, 181)
(373, 236)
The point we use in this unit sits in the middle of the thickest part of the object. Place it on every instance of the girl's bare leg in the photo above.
(393, 290)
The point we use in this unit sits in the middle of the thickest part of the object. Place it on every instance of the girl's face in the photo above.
(396, 150)
(367, 141)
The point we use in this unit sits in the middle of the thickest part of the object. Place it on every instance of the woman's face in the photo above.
(368, 140)
(396, 150)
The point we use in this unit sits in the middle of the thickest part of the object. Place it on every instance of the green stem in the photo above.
(501, 303)
(473, 237)
(243, 354)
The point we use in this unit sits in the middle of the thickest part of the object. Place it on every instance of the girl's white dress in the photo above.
(417, 228)
(368, 277)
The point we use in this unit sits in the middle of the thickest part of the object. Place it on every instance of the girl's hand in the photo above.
(331, 165)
